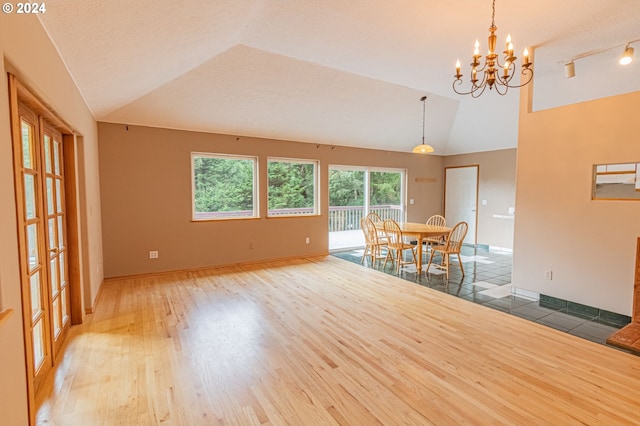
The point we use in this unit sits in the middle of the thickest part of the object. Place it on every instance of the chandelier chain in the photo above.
(493, 13)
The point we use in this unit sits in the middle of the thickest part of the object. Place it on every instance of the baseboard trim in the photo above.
(202, 268)
(525, 293)
(584, 311)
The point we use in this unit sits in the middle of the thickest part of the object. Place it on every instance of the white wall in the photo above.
(589, 245)
(496, 185)
(28, 53)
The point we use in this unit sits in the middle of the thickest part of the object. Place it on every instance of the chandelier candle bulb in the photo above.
(525, 57)
(458, 75)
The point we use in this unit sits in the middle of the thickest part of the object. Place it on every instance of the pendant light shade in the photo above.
(423, 148)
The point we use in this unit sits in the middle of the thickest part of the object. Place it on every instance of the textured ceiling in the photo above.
(333, 71)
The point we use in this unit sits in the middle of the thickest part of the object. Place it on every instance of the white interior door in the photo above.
(461, 198)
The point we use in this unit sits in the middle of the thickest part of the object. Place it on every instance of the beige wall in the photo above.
(146, 199)
(496, 185)
(589, 245)
(27, 52)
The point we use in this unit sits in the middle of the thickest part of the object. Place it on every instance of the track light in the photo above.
(570, 69)
(627, 56)
(625, 59)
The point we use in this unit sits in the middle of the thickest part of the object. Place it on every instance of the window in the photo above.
(224, 186)
(292, 187)
(616, 181)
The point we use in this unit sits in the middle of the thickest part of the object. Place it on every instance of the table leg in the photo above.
(419, 260)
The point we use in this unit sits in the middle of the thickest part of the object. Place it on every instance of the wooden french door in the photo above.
(40, 195)
(55, 236)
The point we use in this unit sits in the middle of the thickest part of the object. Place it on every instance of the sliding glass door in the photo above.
(356, 191)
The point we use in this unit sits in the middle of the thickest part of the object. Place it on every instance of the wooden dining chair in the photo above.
(452, 245)
(373, 244)
(396, 245)
(435, 220)
(374, 217)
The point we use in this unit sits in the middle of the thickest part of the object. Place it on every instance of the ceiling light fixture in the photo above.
(423, 148)
(570, 69)
(625, 59)
(627, 56)
(491, 68)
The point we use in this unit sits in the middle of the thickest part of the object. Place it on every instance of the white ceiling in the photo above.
(334, 71)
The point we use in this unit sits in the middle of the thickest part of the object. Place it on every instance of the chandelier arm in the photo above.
(504, 87)
(504, 81)
(474, 89)
(477, 87)
(458, 82)
(478, 91)
(482, 82)
(526, 72)
(484, 67)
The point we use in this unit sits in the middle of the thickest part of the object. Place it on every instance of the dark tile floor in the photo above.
(487, 281)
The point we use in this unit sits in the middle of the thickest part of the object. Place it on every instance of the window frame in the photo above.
(255, 186)
(316, 185)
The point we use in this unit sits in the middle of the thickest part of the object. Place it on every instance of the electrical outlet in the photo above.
(307, 240)
(548, 275)
(153, 254)
(251, 245)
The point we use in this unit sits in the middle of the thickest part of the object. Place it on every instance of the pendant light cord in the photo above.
(424, 115)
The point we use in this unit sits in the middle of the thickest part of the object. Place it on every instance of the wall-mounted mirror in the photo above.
(616, 182)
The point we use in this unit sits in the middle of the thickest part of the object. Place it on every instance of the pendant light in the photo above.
(423, 148)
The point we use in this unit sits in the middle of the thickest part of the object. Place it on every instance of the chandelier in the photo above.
(493, 73)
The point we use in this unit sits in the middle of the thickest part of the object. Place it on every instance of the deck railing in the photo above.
(348, 218)
(340, 218)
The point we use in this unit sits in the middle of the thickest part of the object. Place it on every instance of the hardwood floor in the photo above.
(323, 341)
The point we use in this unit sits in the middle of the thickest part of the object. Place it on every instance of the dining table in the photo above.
(418, 231)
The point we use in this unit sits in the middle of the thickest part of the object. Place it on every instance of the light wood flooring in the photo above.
(323, 341)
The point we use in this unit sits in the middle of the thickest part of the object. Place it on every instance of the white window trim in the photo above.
(256, 200)
(316, 185)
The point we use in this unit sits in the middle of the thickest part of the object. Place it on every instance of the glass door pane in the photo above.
(56, 232)
(386, 194)
(34, 278)
(346, 206)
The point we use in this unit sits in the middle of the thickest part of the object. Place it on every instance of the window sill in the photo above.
(298, 216)
(223, 219)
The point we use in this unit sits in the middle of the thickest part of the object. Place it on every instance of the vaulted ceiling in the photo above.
(332, 71)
